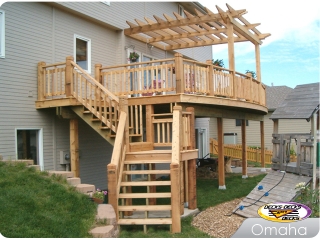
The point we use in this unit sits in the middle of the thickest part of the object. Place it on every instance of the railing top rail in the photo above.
(137, 63)
(110, 94)
(55, 64)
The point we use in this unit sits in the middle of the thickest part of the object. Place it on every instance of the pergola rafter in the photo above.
(170, 33)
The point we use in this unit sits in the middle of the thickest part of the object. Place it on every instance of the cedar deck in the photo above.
(141, 107)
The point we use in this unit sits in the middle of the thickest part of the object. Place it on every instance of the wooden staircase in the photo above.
(151, 201)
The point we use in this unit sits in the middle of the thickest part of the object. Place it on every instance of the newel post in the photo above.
(123, 105)
(112, 187)
(97, 72)
(210, 78)
(41, 80)
(179, 73)
(68, 78)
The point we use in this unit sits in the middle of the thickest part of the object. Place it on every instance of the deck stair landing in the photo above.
(283, 192)
(144, 168)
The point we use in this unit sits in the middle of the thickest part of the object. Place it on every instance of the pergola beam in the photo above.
(195, 30)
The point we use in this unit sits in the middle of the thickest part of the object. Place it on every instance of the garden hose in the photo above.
(241, 207)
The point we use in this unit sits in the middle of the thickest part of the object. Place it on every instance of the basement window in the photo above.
(2, 36)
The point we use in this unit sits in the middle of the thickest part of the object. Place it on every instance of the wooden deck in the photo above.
(283, 192)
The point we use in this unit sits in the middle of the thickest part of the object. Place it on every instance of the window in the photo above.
(238, 122)
(180, 10)
(2, 37)
(29, 145)
(82, 52)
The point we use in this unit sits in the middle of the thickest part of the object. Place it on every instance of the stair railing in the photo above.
(96, 98)
(115, 168)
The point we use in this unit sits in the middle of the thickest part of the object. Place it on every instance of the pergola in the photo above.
(224, 27)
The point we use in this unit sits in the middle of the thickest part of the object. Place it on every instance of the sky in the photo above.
(290, 56)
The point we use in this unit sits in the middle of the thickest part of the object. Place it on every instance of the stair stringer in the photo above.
(96, 125)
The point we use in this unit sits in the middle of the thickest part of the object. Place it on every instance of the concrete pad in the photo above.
(74, 181)
(102, 232)
(105, 212)
(85, 188)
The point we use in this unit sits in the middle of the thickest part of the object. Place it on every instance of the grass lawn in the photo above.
(34, 205)
(208, 195)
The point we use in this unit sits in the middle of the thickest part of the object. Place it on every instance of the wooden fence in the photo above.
(235, 151)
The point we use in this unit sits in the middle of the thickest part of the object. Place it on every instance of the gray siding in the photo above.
(95, 154)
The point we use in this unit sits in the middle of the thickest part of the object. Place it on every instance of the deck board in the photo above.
(283, 192)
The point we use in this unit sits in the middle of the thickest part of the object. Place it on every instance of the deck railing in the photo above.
(158, 77)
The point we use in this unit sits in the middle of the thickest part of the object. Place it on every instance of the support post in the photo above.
(210, 78)
(68, 77)
(231, 55)
(123, 105)
(175, 197)
(180, 85)
(262, 146)
(221, 173)
(192, 170)
(41, 80)
(74, 147)
(244, 148)
(314, 149)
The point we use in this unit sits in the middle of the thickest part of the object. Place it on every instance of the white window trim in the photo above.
(40, 144)
(2, 34)
(88, 40)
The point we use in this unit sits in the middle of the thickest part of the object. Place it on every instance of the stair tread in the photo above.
(149, 152)
(145, 208)
(146, 161)
(146, 183)
(147, 221)
(145, 195)
(147, 172)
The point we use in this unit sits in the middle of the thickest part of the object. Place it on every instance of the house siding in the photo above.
(37, 32)
(253, 129)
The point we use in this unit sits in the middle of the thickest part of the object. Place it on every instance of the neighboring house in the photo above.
(274, 97)
(32, 32)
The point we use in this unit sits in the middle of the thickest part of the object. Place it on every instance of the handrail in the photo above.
(137, 63)
(110, 94)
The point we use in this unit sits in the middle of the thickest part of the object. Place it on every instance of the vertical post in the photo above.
(210, 73)
(123, 105)
(74, 147)
(149, 125)
(97, 72)
(175, 197)
(112, 187)
(244, 148)
(220, 154)
(68, 77)
(41, 81)
(314, 148)
(275, 126)
(179, 73)
(150, 138)
(192, 170)
(258, 65)
(176, 150)
(262, 146)
(231, 55)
